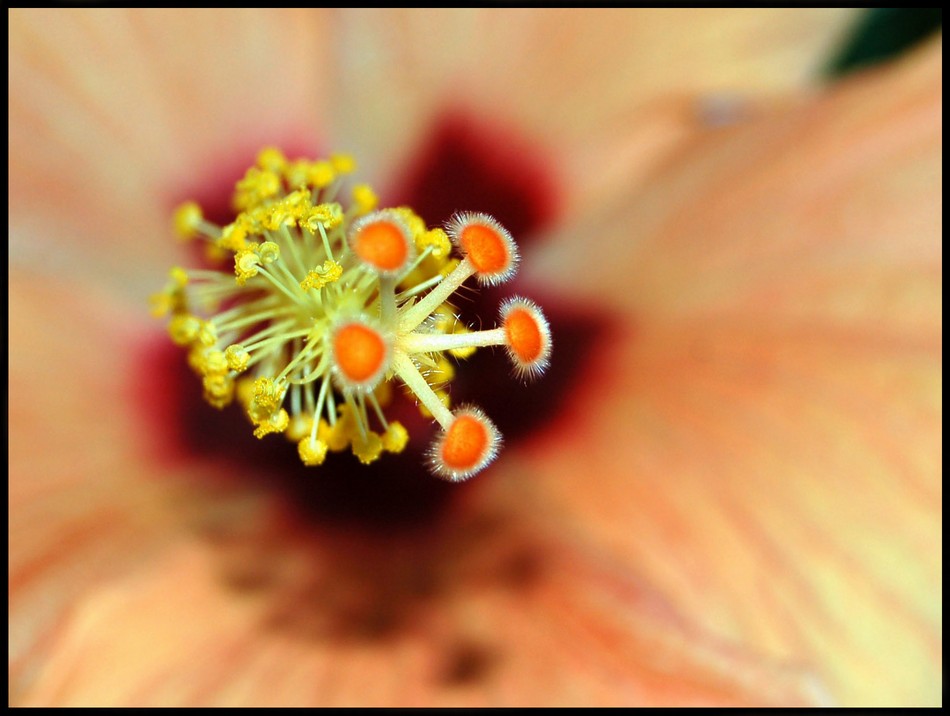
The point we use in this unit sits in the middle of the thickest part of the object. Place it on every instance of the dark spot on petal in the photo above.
(521, 569)
(249, 576)
(467, 663)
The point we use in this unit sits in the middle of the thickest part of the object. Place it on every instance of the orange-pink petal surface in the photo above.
(605, 93)
(762, 431)
(496, 614)
(83, 507)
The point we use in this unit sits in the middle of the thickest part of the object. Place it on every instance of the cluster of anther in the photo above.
(327, 305)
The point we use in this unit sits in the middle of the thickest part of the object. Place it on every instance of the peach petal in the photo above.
(763, 436)
(605, 92)
(114, 113)
(83, 506)
(577, 632)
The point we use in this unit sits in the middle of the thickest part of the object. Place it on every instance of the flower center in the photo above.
(322, 307)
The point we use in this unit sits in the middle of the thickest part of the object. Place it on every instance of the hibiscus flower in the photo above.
(726, 490)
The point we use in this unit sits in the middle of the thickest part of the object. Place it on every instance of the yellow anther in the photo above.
(464, 351)
(367, 449)
(255, 188)
(364, 198)
(449, 266)
(322, 275)
(298, 202)
(336, 437)
(438, 240)
(187, 220)
(161, 304)
(267, 398)
(267, 389)
(254, 221)
(274, 217)
(245, 391)
(269, 252)
(216, 254)
(415, 223)
(297, 173)
(445, 319)
(321, 174)
(233, 237)
(215, 363)
(276, 423)
(246, 265)
(237, 357)
(343, 163)
(218, 390)
(312, 452)
(207, 334)
(299, 428)
(395, 438)
(178, 276)
(437, 260)
(184, 328)
(347, 429)
(329, 216)
(442, 373)
(271, 159)
(196, 358)
(288, 212)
